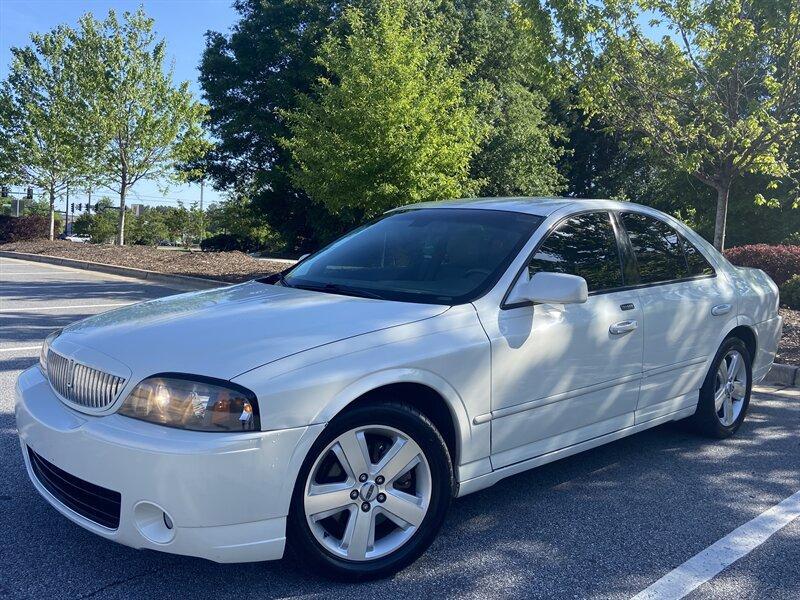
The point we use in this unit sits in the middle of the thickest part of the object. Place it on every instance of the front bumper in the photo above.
(226, 495)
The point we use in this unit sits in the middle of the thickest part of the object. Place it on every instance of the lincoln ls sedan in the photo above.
(336, 408)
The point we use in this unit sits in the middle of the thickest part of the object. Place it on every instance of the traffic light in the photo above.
(4, 191)
(80, 206)
(72, 207)
(88, 207)
(29, 193)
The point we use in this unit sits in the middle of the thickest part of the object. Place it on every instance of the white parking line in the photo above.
(707, 564)
(38, 308)
(34, 273)
(20, 349)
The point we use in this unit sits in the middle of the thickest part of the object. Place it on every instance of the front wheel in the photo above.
(372, 493)
(725, 395)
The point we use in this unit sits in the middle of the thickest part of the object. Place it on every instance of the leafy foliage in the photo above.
(31, 227)
(45, 138)
(387, 124)
(790, 292)
(226, 242)
(144, 123)
(718, 97)
(507, 48)
(779, 262)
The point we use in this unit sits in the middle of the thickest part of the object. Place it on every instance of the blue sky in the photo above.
(182, 23)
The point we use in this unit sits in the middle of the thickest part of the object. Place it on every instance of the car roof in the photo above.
(535, 205)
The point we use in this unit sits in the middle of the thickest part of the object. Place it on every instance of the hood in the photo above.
(226, 331)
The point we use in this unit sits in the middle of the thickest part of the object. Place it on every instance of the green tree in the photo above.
(261, 68)
(103, 227)
(239, 217)
(44, 138)
(82, 225)
(718, 96)
(147, 124)
(515, 76)
(149, 228)
(388, 123)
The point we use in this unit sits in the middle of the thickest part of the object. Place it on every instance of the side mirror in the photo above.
(549, 288)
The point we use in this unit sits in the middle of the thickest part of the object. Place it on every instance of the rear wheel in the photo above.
(372, 493)
(725, 395)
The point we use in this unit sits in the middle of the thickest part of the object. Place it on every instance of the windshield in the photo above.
(432, 256)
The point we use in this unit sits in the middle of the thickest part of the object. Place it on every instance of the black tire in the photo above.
(706, 421)
(318, 559)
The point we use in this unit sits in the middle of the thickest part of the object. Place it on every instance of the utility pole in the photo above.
(66, 212)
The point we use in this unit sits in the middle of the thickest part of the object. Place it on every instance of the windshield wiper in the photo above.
(336, 288)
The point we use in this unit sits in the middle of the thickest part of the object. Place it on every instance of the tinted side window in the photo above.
(584, 245)
(698, 265)
(658, 248)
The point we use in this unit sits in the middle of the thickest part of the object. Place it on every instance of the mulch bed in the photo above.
(237, 266)
(225, 266)
(789, 348)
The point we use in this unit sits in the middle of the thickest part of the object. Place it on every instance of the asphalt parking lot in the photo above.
(607, 523)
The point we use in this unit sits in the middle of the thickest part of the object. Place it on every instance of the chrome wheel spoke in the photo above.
(734, 367)
(359, 536)
(399, 460)
(353, 446)
(327, 499)
(739, 390)
(727, 411)
(404, 509)
(719, 398)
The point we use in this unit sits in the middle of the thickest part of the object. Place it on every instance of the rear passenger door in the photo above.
(685, 307)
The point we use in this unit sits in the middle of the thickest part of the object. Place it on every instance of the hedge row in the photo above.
(779, 262)
(30, 227)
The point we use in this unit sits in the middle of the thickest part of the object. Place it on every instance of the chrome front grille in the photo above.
(81, 384)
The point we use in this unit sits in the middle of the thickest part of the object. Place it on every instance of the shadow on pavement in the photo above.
(605, 523)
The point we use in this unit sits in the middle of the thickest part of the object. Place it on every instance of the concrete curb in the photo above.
(785, 375)
(184, 281)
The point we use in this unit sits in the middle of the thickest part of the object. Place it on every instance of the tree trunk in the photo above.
(52, 213)
(722, 216)
(121, 227)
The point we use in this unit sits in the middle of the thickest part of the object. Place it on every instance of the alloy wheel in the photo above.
(367, 493)
(730, 388)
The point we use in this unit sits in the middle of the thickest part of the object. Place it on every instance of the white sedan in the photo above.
(339, 406)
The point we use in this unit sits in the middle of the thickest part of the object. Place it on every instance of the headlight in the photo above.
(46, 349)
(191, 402)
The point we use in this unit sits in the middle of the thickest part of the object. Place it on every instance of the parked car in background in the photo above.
(340, 405)
(79, 238)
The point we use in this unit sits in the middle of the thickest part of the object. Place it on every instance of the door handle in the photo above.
(623, 327)
(721, 309)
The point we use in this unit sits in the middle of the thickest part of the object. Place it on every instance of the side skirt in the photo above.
(484, 481)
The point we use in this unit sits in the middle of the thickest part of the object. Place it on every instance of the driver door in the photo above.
(563, 374)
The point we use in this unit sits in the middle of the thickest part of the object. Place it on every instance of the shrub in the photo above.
(793, 239)
(779, 262)
(225, 242)
(30, 227)
(790, 293)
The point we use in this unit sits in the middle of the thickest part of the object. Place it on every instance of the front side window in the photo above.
(436, 256)
(583, 245)
(658, 248)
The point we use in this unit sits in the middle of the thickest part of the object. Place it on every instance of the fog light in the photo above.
(153, 523)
